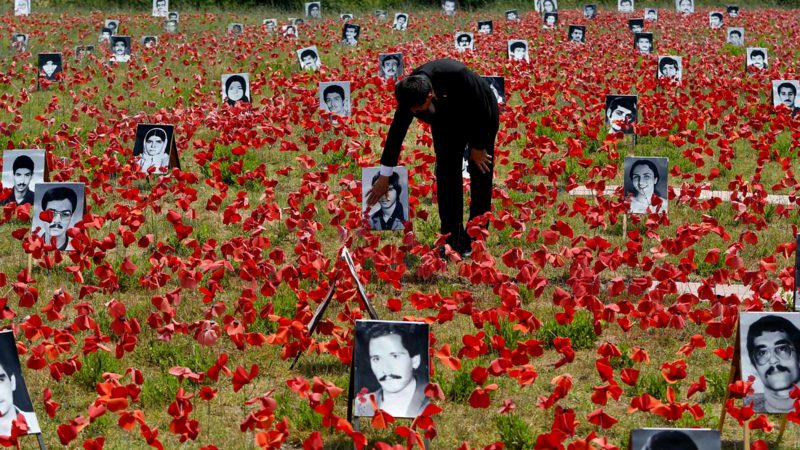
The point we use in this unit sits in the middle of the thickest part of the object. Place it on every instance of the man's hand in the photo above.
(482, 159)
(379, 189)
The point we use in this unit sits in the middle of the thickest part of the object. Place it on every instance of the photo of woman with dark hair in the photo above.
(645, 178)
(235, 88)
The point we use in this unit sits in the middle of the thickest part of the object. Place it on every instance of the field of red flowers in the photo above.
(175, 320)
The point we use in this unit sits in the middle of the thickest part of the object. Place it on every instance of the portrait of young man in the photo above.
(784, 92)
(15, 402)
(105, 35)
(149, 41)
(577, 34)
(235, 29)
(236, 88)
(463, 41)
(449, 7)
(636, 25)
(643, 42)
(152, 147)
(651, 14)
(289, 31)
(675, 439)
(670, 67)
(684, 6)
(270, 25)
(50, 66)
(313, 10)
(757, 58)
(736, 36)
(621, 113)
(485, 27)
(22, 171)
(350, 34)
(335, 97)
(121, 48)
(19, 42)
(518, 50)
(309, 58)
(390, 65)
(400, 21)
(590, 11)
(512, 15)
(65, 202)
(113, 25)
(171, 26)
(160, 8)
(770, 343)
(646, 179)
(173, 15)
(625, 6)
(391, 368)
(389, 214)
(22, 7)
(715, 20)
(733, 11)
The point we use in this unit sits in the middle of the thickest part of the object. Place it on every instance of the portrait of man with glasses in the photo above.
(770, 341)
(62, 204)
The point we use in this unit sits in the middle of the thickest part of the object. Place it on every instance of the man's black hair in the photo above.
(755, 53)
(771, 323)
(22, 162)
(717, 15)
(390, 57)
(404, 16)
(308, 52)
(60, 193)
(333, 89)
(786, 84)
(312, 6)
(465, 36)
(670, 440)
(735, 32)
(667, 61)
(394, 180)
(412, 90)
(406, 335)
(517, 45)
(625, 102)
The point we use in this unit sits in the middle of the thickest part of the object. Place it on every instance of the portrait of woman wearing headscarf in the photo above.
(236, 90)
(155, 152)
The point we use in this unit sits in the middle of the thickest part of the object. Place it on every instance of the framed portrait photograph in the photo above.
(577, 34)
(636, 25)
(449, 7)
(51, 66)
(235, 29)
(498, 86)
(621, 113)
(290, 31)
(350, 34)
(684, 6)
(174, 15)
(464, 40)
(675, 438)
(390, 65)
(149, 41)
(512, 15)
(547, 6)
(15, 401)
(391, 367)
(171, 25)
(113, 25)
(391, 211)
(550, 21)
(65, 201)
(153, 147)
(270, 25)
(733, 10)
(23, 170)
(236, 88)
(735, 36)
(105, 35)
(651, 14)
(518, 50)
(400, 21)
(22, 7)
(313, 9)
(83, 50)
(160, 8)
(309, 58)
(757, 58)
(19, 42)
(334, 97)
(485, 27)
(646, 177)
(589, 11)
(625, 6)
(769, 343)
(120, 48)
(716, 20)
(784, 92)
(643, 43)
(670, 68)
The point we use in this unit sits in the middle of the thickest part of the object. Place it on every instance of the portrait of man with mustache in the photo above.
(772, 342)
(64, 201)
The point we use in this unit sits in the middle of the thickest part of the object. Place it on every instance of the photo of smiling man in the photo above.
(63, 204)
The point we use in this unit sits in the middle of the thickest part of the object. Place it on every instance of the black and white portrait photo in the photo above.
(784, 92)
(15, 401)
(796, 272)
(643, 42)
(171, 25)
(733, 10)
(400, 21)
(270, 25)
(235, 29)
(120, 48)
(736, 36)
(498, 86)
(350, 34)
(105, 35)
(152, 147)
(670, 68)
(621, 113)
(236, 88)
(22, 7)
(485, 27)
(174, 15)
(577, 34)
(22, 171)
(113, 25)
(769, 343)
(381, 14)
(550, 21)
(547, 6)
(51, 66)
(646, 184)
(160, 8)
(449, 7)
(334, 97)
(512, 15)
(757, 58)
(19, 42)
(625, 6)
(289, 31)
(390, 65)
(149, 41)
(391, 367)
(651, 14)
(65, 203)
(299, 21)
(589, 11)
(675, 439)
(518, 50)
(83, 50)
(684, 6)
(391, 211)
(715, 20)
(309, 58)
(636, 25)
(313, 10)
(463, 40)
